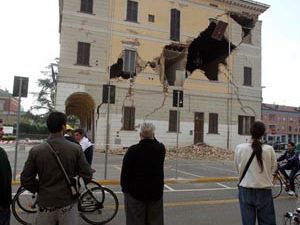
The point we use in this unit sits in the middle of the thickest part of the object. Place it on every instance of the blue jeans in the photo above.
(257, 203)
(290, 178)
(5, 217)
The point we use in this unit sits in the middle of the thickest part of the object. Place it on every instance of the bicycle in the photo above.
(279, 180)
(292, 217)
(97, 205)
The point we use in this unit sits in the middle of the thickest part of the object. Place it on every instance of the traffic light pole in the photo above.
(17, 131)
(107, 132)
(177, 132)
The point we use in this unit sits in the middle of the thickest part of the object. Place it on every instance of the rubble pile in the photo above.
(197, 151)
(200, 151)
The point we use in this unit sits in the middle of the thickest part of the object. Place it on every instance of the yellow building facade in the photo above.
(208, 51)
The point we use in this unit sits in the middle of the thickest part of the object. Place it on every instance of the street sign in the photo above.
(20, 82)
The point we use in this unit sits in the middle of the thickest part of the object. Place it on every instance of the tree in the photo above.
(45, 98)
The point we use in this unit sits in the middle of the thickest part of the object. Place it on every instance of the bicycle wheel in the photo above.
(297, 184)
(277, 186)
(24, 206)
(93, 211)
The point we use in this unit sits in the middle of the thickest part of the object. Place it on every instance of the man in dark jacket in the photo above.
(291, 159)
(5, 185)
(142, 180)
(56, 203)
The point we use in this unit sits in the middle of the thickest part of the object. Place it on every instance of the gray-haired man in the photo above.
(142, 180)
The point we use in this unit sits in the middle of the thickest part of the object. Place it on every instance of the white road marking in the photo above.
(173, 190)
(117, 167)
(223, 185)
(168, 187)
(222, 169)
(187, 173)
(192, 190)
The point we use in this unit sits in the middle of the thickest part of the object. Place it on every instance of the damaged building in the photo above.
(209, 51)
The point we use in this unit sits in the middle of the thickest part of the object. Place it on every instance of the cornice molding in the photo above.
(247, 4)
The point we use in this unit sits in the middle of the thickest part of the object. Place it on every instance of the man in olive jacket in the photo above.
(5, 185)
(142, 180)
(56, 203)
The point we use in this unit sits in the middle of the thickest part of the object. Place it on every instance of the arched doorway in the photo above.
(82, 106)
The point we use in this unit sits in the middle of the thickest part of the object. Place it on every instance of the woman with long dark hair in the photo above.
(255, 194)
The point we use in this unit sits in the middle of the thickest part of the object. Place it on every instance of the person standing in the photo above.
(5, 184)
(142, 180)
(291, 162)
(85, 144)
(255, 194)
(69, 134)
(56, 202)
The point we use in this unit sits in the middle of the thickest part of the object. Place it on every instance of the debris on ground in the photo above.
(200, 151)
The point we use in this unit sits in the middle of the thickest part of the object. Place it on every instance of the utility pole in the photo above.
(107, 131)
(17, 131)
(20, 90)
(177, 132)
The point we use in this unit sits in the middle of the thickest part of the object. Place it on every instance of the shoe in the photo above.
(291, 193)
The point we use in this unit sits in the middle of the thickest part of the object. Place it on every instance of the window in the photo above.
(151, 18)
(86, 6)
(246, 35)
(129, 61)
(128, 118)
(132, 11)
(244, 124)
(213, 123)
(272, 117)
(83, 53)
(175, 25)
(247, 76)
(173, 121)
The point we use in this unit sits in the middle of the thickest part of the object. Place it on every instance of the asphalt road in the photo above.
(188, 204)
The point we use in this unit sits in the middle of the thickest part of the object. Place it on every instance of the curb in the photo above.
(168, 181)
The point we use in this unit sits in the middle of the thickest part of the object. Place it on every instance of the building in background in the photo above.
(208, 49)
(282, 123)
(8, 108)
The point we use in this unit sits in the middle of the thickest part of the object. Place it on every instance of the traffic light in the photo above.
(177, 95)
(105, 93)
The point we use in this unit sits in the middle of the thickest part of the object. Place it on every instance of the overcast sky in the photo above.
(30, 41)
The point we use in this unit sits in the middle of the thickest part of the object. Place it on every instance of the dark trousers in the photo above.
(143, 213)
(89, 154)
(5, 216)
(290, 178)
(257, 203)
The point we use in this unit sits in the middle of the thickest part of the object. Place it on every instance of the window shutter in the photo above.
(172, 120)
(129, 118)
(132, 11)
(83, 53)
(126, 118)
(86, 6)
(240, 125)
(175, 25)
(248, 76)
(213, 123)
(132, 117)
(129, 61)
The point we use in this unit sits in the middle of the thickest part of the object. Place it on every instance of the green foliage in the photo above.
(8, 138)
(33, 128)
(45, 99)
